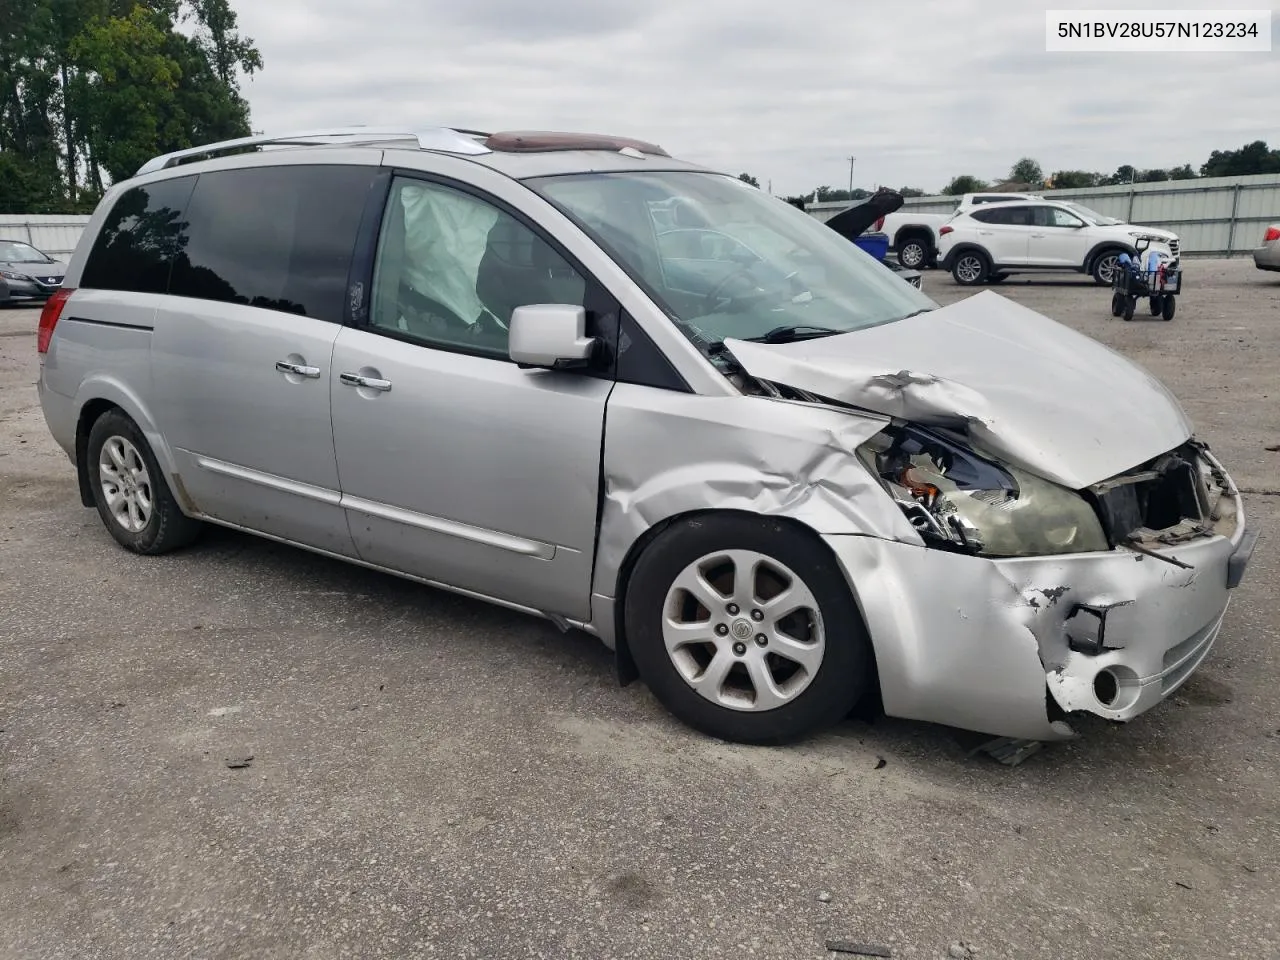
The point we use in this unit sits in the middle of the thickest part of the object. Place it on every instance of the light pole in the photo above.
(851, 159)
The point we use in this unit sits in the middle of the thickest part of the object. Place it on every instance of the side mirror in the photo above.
(551, 336)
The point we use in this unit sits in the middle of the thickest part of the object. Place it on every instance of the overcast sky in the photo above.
(918, 91)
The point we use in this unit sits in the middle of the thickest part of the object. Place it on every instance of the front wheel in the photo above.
(744, 628)
(1117, 304)
(1130, 305)
(1170, 307)
(970, 269)
(130, 491)
(1104, 268)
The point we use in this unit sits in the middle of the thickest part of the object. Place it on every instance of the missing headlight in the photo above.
(959, 499)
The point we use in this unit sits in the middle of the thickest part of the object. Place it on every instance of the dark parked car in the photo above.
(26, 273)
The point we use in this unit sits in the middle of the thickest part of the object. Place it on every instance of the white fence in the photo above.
(1218, 216)
(1213, 216)
(55, 235)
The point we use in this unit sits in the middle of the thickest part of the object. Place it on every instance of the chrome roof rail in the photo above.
(440, 139)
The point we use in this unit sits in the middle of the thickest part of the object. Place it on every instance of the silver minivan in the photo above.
(577, 377)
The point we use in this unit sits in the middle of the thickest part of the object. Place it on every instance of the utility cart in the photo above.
(1154, 277)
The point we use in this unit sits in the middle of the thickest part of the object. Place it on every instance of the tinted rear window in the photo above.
(280, 238)
(1016, 216)
(139, 239)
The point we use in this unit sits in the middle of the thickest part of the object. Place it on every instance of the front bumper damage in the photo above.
(1012, 647)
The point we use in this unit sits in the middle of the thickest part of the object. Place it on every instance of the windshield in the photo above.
(726, 260)
(1095, 218)
(14, 251)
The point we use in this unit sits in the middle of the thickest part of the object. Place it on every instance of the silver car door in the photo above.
(455, 464)
(243, 345)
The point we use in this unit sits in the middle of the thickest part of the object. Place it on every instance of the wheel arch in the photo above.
(910, 231)
(968, 246)
(1106, 246)
(99, 395)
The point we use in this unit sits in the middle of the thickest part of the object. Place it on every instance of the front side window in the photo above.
(140, 239)
(1092, 216)
(725, 260)
(279, 238)
(1057, 217)
(452, 267)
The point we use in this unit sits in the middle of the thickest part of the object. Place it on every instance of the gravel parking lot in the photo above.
(433, 777)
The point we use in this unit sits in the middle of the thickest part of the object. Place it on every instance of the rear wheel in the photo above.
(970, 268)
(1117, 304)
(744, 628)
(1156, 304)
(130, 491)
(1170, 307)
(913, 252)
(1130, 304)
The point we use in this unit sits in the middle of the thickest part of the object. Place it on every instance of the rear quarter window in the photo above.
(140, 238)
(278, 238)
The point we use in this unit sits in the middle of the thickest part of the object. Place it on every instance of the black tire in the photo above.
(913, 253)
(1103, 267)
(1156, 305)
(167, 527)
(970, 268)
(1117, 304)
(1170, 307)
(997, 278)
(1130, 304)
(840, 680)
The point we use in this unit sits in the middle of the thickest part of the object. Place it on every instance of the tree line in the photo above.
(92, 89)
(1027, 174)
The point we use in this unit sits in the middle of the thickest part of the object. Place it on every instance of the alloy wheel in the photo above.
(126, 484)
(743, 630)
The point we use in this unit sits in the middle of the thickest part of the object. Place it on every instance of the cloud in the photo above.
(787, 91)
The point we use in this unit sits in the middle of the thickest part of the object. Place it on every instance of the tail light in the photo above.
(49, 318)
(879, 225)
(1273, 233)
(943, 231)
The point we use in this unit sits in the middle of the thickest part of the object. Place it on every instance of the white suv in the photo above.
(988, 242)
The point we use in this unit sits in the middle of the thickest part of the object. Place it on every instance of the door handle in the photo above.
(301, 370)
(372, 383)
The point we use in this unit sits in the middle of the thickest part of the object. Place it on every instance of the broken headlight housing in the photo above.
(960, 500)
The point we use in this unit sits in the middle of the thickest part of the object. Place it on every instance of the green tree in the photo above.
(748, 178)
(89, 86)
(1183, 172)
(1252, 158)
(1027, 170)
(965, 183)
(911, 191)
(1074, 179)
(131, 85)
(1124, 174)
(223, 47)
(1153, 176)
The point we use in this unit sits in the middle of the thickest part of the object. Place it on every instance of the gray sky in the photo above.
(918, 91)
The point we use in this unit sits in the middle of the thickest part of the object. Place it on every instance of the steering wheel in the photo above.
(718, 290)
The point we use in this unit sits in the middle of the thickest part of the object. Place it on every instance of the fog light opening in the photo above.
(1106, 688)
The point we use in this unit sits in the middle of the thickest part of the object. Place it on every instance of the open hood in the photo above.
(854, 221)
(1024, 387)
